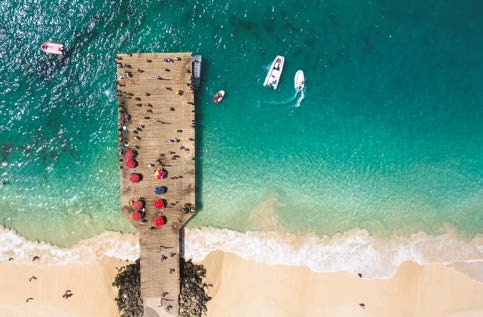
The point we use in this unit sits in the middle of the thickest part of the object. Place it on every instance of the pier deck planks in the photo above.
(159, 126)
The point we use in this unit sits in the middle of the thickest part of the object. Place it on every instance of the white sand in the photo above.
(91, 285)
(245, 288)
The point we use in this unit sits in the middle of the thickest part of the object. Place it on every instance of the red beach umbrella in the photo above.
(130, 154)
(159, 221)
(137, 204)
(131, 164)
(158, 203)
(134, 178)
(136, 215)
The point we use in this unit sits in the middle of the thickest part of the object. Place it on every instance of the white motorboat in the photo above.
(299, 80)
(274, 73)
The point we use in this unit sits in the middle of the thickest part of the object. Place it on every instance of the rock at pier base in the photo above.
(192, 299)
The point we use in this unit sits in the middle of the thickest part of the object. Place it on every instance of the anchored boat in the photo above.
(196, 71)
(52, 48)
(299, 80)
(274, 73)
(219, 96)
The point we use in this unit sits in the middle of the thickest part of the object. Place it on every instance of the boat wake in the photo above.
(298, 95)
(286, 101)
(301, 97)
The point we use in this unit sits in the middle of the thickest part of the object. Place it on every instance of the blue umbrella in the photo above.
(160, 190)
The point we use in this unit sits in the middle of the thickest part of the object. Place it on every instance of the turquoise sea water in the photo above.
(388, 138)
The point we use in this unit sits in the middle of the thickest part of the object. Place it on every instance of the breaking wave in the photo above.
(354, 251)
(19, 249)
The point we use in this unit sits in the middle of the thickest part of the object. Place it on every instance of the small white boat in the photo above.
(299, 80)
(219, 96)
(274, 73)
(52, 48)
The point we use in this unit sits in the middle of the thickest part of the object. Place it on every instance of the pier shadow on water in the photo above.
(198, 152)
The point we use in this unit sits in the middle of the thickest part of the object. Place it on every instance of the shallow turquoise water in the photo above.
(388, 138)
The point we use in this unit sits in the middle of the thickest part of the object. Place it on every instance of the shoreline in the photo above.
(355, 251)
(244, 288)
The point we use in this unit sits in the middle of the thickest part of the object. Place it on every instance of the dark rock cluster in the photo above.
(193, 297)
(192, 300)
(129, 301)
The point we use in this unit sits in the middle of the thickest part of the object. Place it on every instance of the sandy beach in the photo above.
(93, 295)
(245, 288)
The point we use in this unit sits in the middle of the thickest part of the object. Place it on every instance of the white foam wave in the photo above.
(354, 251)
(22, 250)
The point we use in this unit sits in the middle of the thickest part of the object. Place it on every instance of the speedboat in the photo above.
(52, 48)
(299, 80)
(219, 97)
(274, 73)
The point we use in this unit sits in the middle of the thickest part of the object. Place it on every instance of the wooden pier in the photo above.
(156, 120)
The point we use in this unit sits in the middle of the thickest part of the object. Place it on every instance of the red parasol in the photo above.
(159, 221)
(137, 204)
(131, 163)
(130, 154)
(159, 203)
(134, 178)
(136, 215)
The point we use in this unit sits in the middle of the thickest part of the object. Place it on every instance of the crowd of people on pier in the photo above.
(130, 149)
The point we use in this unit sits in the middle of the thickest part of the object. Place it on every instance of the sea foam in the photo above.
(21, 250)
(354, 251)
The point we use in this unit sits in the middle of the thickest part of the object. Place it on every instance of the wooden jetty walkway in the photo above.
(156, 121)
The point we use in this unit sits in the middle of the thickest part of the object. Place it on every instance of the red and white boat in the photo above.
(52, 48)
(219, 96)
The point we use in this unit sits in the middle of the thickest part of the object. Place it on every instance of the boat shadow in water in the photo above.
(48, 65)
